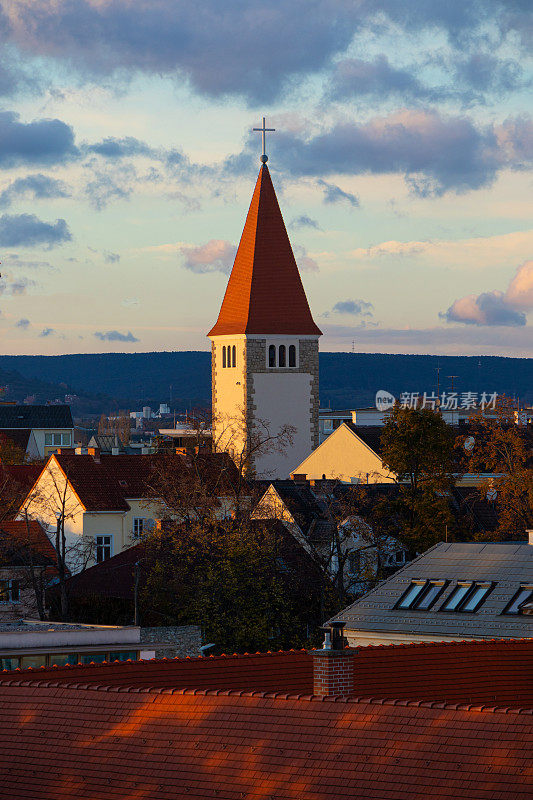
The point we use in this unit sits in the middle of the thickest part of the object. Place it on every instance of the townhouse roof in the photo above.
(64, 737)
(265, 294)
(18, 537)
(370, 434)
(105, 482)
(22, 416)
(506, 566)
(108, 742)
(485, 671)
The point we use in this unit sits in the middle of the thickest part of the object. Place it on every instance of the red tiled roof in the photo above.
(489, 672)
(265, 292)
(16, 535)
(69, 741)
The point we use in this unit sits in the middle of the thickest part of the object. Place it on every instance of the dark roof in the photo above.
(507, 564)
(105, 483)
(265, 292)
(22, 416)
(19, 437)
(370, 434)
(300, 502)
(112, 578)
(65, 737)
(17, 538)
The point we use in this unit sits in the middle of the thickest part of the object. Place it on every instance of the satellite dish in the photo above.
(469, 443)
(492, 494)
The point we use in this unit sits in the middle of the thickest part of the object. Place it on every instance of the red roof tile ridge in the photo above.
(107, 664)
(437, 643)
(282, 696)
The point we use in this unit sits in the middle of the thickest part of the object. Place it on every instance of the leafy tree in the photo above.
(499, 446)
(418, 447)
(248, 583)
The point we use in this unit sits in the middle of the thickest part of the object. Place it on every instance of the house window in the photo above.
(233, 356)
(328, 425)
(292, 356)
(9, 663)
(224, 356)
(66, 440)
(104, 548)
(142, 525)
(408, 598)
(9, 591)
(123, 655)
(354, 562)
(432, 591)
(281, 357)
(467, 596)
(92, 658)
(523, 595)
(272, 356)
(48, 439)
(421, 595)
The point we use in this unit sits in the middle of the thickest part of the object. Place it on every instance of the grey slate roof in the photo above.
(22, 416)
(508, 564)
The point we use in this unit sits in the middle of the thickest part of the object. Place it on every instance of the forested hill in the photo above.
(346, 379)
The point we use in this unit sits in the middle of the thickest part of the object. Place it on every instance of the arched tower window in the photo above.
(233, 356)
(281, 357)
(292, 355)
(272, 356)
(224, 356)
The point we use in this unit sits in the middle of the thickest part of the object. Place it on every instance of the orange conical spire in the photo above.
(265, 294)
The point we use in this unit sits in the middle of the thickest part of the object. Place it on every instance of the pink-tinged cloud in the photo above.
(520, 291)
(496, 307)
(216, 255)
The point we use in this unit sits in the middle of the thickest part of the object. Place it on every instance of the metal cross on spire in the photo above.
(264, 129)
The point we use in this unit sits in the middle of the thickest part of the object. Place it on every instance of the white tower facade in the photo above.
(265, 349)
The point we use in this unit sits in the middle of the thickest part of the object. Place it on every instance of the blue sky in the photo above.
(401, 159)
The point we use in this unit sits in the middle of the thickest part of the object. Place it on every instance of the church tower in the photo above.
(265, 347)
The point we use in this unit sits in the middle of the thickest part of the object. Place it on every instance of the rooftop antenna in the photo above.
(452, 377)
(264, 129)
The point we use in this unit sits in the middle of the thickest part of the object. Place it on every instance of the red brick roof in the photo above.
(16, 535)
(489, 672)
(106, 484)
(265, 292)
(68, 741)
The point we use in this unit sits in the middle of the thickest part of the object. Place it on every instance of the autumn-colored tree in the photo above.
(248, 583)
(418, 448)
(10, 452)
(502, 450)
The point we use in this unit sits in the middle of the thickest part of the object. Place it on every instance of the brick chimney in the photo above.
(334, 665)
(95, 453)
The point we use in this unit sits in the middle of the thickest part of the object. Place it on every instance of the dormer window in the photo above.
(523, 595)
(467, 596)
(421, 595)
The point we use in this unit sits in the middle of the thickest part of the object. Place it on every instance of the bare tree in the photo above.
(54, 504)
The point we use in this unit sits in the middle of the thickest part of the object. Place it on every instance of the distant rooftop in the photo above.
(503, 566)
(22, 416)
